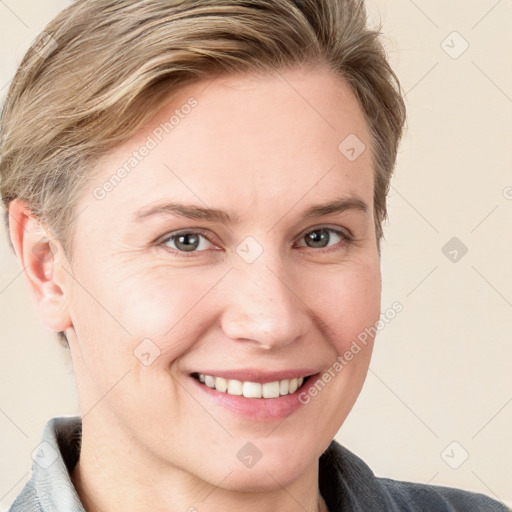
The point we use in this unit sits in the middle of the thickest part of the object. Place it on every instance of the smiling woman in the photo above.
(218, 279)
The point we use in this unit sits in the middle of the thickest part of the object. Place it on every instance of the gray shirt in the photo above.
(346, 483)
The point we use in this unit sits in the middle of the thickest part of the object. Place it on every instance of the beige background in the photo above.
(441, 371)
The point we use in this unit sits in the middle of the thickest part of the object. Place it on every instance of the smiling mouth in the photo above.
(250, 389)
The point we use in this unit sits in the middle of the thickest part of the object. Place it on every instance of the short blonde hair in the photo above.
(102, 68)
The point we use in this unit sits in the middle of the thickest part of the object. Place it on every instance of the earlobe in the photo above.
(40, 258)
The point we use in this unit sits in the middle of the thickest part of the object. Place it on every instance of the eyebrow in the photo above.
(336, 206)
(196, 212)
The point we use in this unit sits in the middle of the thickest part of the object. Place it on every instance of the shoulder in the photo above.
(418, 497)
(347, 483)
(27, 500)
(50, 486)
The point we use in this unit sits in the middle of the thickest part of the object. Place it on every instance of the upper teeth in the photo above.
(252, 389)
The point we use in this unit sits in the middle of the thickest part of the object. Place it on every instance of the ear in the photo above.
(44, 264)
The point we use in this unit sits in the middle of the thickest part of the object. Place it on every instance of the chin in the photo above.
(265, 479)
(276, 468)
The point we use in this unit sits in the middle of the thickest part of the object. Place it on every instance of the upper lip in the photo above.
(255, 375)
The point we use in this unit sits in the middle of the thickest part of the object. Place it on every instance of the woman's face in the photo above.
(254, 290)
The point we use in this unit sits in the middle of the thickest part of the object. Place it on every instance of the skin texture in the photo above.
(253, 146)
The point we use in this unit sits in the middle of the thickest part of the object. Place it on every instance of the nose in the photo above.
(264, 306)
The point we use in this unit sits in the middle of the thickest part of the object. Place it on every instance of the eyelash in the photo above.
(346, 239)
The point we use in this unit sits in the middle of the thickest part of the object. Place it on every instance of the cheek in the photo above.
(161, 299)
(122, 317)
(166, 306)
(348, 302)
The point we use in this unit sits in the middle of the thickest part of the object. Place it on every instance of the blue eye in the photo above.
(323, 237)
(194, 242)
(186, 241)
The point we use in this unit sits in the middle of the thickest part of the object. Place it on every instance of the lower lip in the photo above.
(258, 409)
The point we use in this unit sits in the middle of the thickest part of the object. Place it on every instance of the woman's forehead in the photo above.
(260, 141)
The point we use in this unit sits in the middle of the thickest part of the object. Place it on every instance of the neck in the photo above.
(113, 474)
